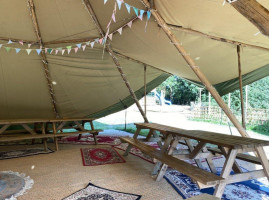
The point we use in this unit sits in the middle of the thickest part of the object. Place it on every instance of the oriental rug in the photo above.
(88, 139)
(100, 156)
(13, 184)
(93, 192)
(245, 190)
(23, 153)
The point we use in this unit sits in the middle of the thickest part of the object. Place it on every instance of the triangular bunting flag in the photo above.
(69, 50)
(17, 50)
(148, 14)
(9, 42)
(56, 51)
(101, 41)
(7, 49)
(46, 50)
(38, 51)
(29, 45)
(69, 47)
(119, 3)
(104, 41)
(28, 51)
(113, 17)
(120, 30)
(110, 36)
(63, 51)
(83, 47)
(21, 42)
(128, 7)
(76, 49)
(135, 10)
(1, 46)
(78, 45)
(60, 48)
(88, 43)
(105, 1)
(50, 51)
(141, 15)
(130, 24)
(96, 40)
(92, 44)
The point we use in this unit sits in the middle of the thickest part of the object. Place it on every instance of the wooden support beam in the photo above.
(3, 128)
(69, 41)
(43, 56)
(241, 87)
(196, 70)
(111, 52)
(255, 13)
(225, 40)
(145, 89)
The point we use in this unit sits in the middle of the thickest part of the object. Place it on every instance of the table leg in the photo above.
(55, 138)
(164, 166)
(236, 166)
(226, 172)
(191, 148)
(130, 146)
(163, 149)
(149, 135)
(43, 130)
(264, 160)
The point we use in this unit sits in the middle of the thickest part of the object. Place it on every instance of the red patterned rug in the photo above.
(100, 156)
(88, 139)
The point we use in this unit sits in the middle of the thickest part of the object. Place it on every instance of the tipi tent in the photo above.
(55, 58)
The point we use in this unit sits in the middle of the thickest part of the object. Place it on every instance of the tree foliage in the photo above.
(182, 92)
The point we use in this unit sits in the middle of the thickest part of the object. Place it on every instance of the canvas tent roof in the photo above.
(88, 83)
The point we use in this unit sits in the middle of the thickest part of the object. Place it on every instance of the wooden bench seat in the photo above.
(206, 178)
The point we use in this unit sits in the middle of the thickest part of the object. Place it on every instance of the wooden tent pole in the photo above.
(111, 52)
(43, 56)
(212, 37)
(241, 87)
(196, 69)
(145, 89)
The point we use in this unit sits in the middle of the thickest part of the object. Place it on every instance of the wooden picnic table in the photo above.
(230, 146)
(40, 129)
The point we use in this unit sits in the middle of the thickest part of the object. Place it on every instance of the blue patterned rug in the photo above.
(93, 192)
(246, 190)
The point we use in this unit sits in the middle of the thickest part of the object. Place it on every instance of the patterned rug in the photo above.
(92, 192)
(22, 153)
(100, 156)
(88, 139)
(252, 189)
(13, 184)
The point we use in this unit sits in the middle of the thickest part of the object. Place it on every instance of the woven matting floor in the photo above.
(59, 174)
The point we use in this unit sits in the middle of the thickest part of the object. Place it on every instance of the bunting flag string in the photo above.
(80, 46)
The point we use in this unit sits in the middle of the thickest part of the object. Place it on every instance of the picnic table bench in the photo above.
(39, 129)
(230, 146)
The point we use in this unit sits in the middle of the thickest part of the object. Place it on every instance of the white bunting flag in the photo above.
(29, 45)
(92, 44)
(120, 30)
(1, 46)
(130, 24)
(63, 51)
(88, 43)
(56, 51)
(9, 42)
(28, 51)
(110, 36)
(83, 47)
(69, 50)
